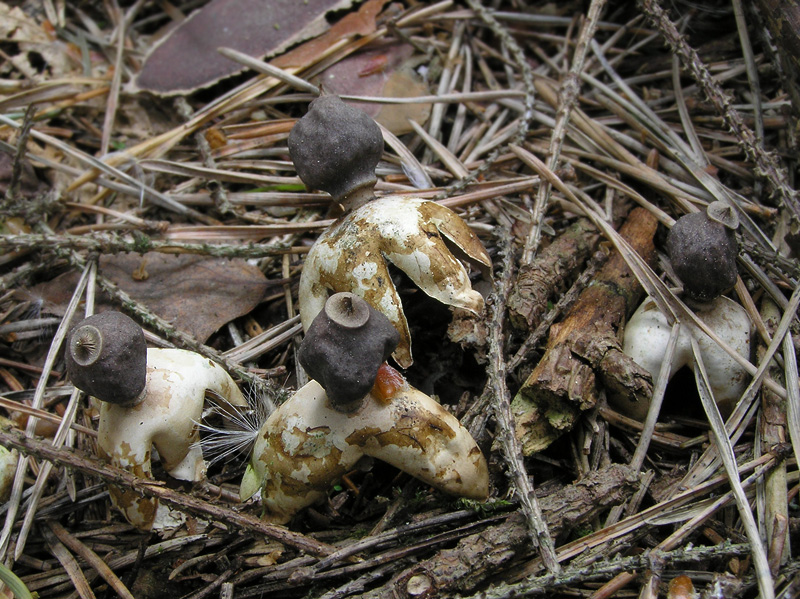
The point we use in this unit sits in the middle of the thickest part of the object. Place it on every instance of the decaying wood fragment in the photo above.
(549, 271)
(482, 554)
(584, 344)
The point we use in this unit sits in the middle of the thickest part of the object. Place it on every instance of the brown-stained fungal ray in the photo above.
(418, 237)
(306, 445)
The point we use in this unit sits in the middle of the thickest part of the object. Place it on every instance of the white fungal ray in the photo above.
(165, 419)
(646, 338)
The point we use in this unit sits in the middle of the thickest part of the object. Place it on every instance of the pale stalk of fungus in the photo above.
(150, 398)
(369, 409)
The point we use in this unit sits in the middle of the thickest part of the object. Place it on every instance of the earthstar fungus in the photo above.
(307, 444)
(336, 147)
(107, 358)
(156, 402)
(702, 249)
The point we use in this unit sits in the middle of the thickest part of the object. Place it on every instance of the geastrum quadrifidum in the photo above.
(150, 398)
(318, 435)
(427, 241)
(702, 249)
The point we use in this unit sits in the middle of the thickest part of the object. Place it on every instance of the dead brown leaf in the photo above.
(197, 295)
(354, 24)
(187, 58)
(383, 72)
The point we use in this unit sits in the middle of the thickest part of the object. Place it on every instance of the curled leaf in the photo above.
(187, 59)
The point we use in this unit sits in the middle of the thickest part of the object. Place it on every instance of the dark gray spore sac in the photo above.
(703, 255)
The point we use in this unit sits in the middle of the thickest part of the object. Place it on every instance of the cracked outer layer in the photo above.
(425, 240)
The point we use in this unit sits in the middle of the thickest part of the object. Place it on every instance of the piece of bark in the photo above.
(483, 554)
(381, 72)
(549, 272)
(586, 343)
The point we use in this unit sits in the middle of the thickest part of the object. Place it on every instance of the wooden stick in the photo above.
(586, 343)
(559, 261)
(463, 567)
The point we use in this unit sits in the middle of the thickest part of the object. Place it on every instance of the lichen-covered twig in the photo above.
(12, 192)
(111, 243)
(501, 404)
(463, 567)
(75, 459)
